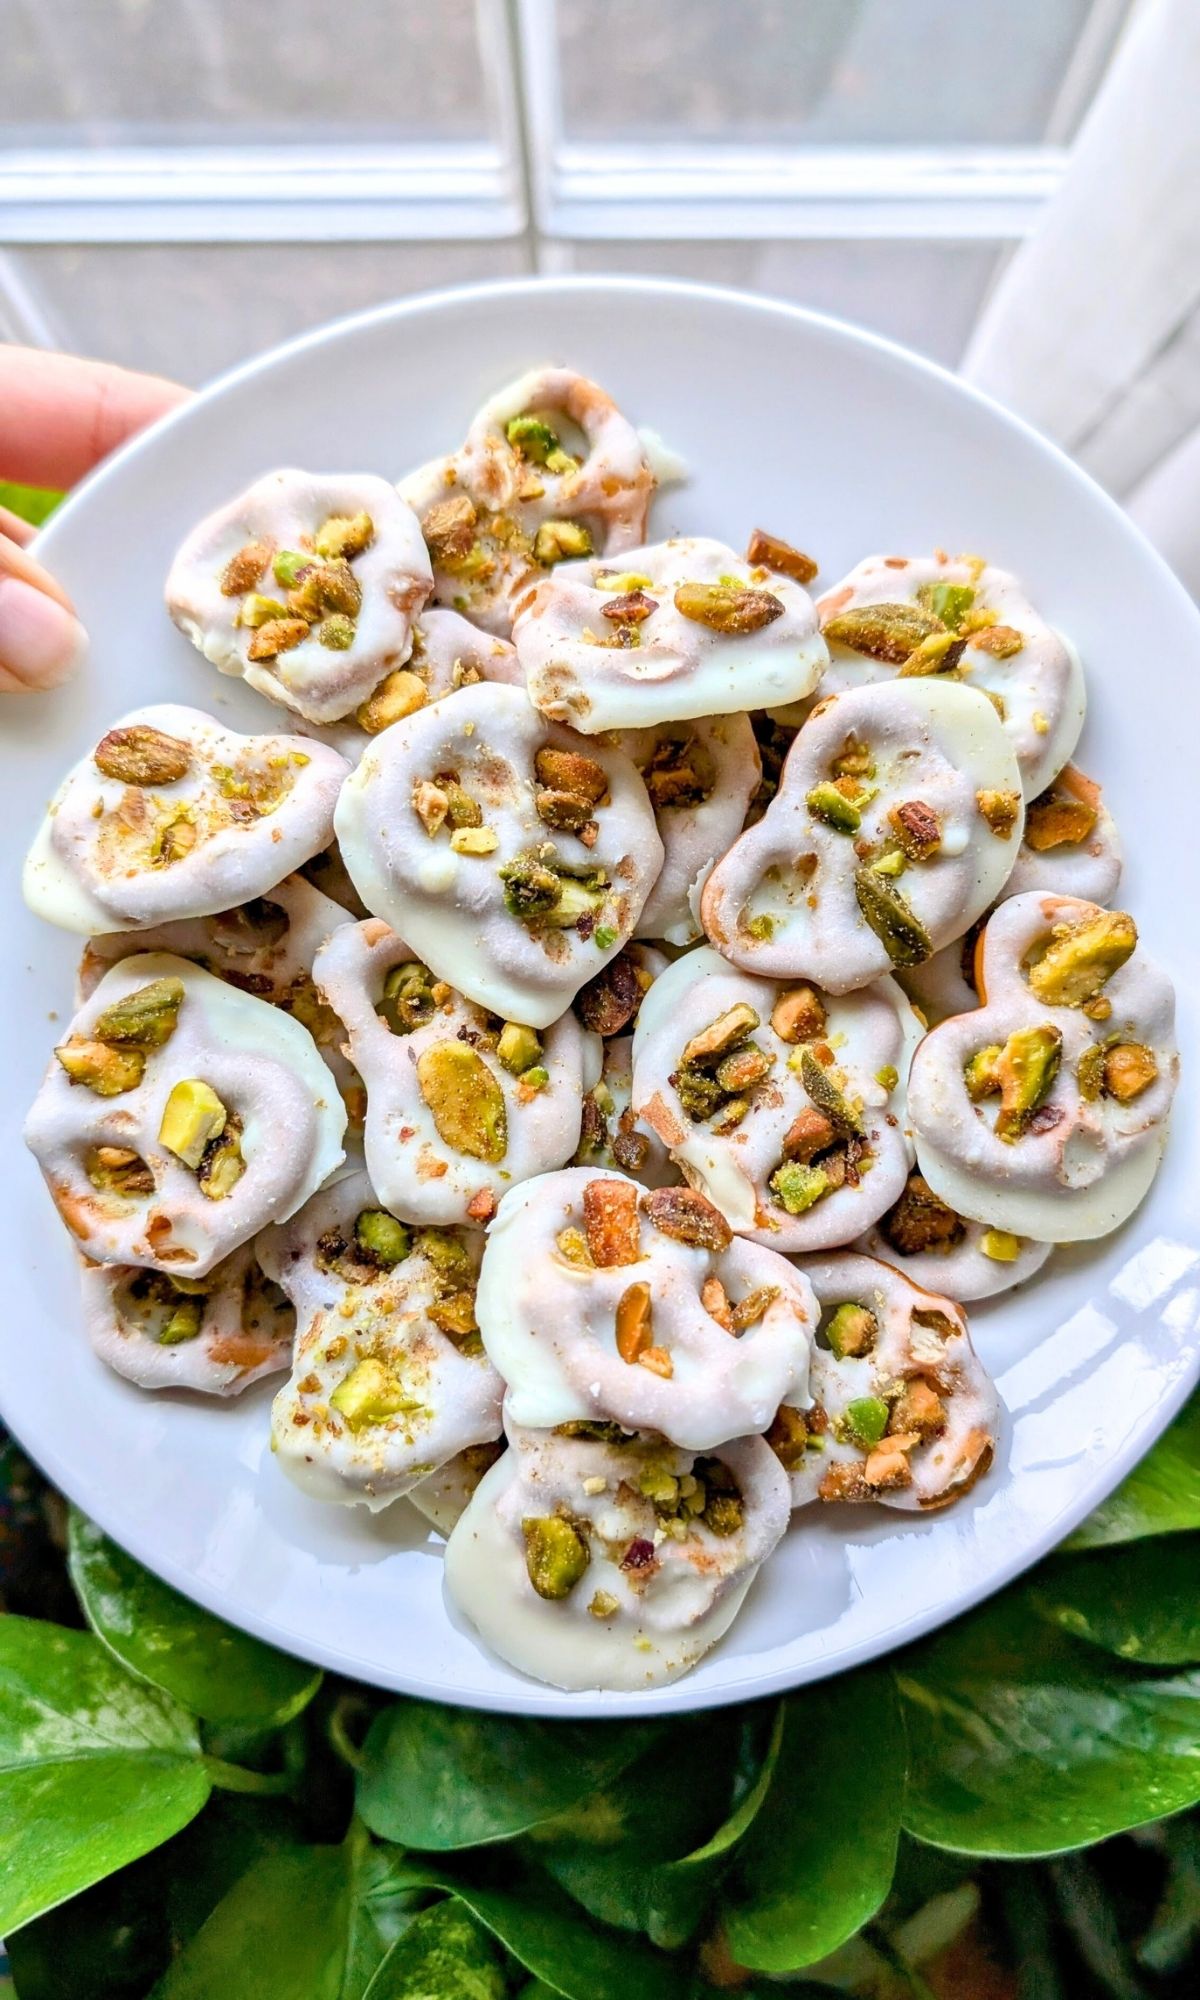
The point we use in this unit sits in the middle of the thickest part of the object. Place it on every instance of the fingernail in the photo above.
(40, 643)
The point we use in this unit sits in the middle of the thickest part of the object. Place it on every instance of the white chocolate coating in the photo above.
(665, 1614)
(550, 1324)
(679, 669)
(1088, 868)
(450, 1392)
(920, 1336)
(245, 1331)
(450, 906)
(265, 1069)
(1041, 686)
(283, 511)
(1088, 1169)
(867, 1032)
(608, 492)
(442, 1498)
(959, 1266)
(612, 1136)
(448, 654)
(723, 753)
(259, 806)
(945, 984)
(415, 1172)
(932, 742)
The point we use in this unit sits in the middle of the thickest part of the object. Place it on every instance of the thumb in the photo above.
(41, 640)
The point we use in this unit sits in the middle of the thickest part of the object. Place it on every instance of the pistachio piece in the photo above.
(431, 805)
(183, 1322)
(192, 1116)
(949, 602)
(144, 1019)
(370, 1394)
(1001, 641)
(518, 1048)
(768, 552)
(106, 1071)
(826, 1096)
(384, 1240)
(465, 1101)
(632, 607)
(920, 1220)
(730, 608)
(556, 1554)
(788, 1437)
(981, 1075)
(449, 529)
(999, 809)
(474, 840)
(687, 1216)
(1026, 1067)
(797, 1187)
(748, 1311)
(829, 803)
(727, 1032)
(633, 1322)
(175, 838)
(715, 1300)
(798, 1015)
(1081, 958)
(450, 1261)
(325, 586)
(257, 610)
(809, 1133)
(407, 999)
(400, 693)
(140, 755)
(461, 808)
(561, 541)
(892, 918)
(244, 569)
(537, 442)
(531, 890)
(609, 1003)
(118, 1170)
(563, 811)
(918, 828)
(1129, 1069)
(288, 565)
(224, 1163)
(570, 771)
(740, 1071)
(865, 1420)
(345, 535)
(336, 633)
(277, 636)
(610, 1223)
(887, 632)
(1000, 1245)
(1058, 820)
(852, 1330)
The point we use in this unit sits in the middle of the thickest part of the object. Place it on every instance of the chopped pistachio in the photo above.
(256, 611)
(400, 693)
(1027, 1066)
(106, 1071)
(474, 840)
(892, 918)
(865, 1420)
(465, 1101)
(851, 1331)
(561, 541)
(604, 937)
(223, 1163)
(344, 535)
(1001, 810)
(118, 1170)
(604, 1605)
(798, 1187)
(370, 1394)
(144, 1019)
(727, 1032)
(407, 999)
(535, 1078)
(772, 553)
(1056, 820)
(888, 632)
(948, 601)
(192, 1116)
(325, 586)
(798, 1015)
(386, 1241)
(537, 442)
(729, 607)
(887, 1077)
(337, 632)
(940, 653)
(288, 565)
(1001, 641)
(277, 636)
(826, 802)
(1082, 958)
(556, 1554)
(183, 1322)
(1000, 1245)
(1129, 1069)
(981, 1075)
(140, 755)
(577, 898)
(518, 1048)
(825, 1095)
(571, 1245)
(244, 569)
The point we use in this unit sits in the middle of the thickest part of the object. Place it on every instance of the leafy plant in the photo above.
(185, 1812)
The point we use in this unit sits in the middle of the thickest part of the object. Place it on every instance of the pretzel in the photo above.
(460, 1105)
(1071, 845)
(914, 616)
(448, 654)
(1044, 1111)
(514, 858)
(677, 630)
(389, 1379)
(783, 1104)
(588, 1563)
(216, 1337)
(896, 822)
(550, 468)
(158, 1126)
(599, 1299)
(442, 1497)
(611, 1135)
(306, 586)
(944, 1252)
(701, 777)
(901, 1409)
(172, 816)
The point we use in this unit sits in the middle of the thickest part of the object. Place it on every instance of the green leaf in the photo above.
(1160, 1496)
(551, 1938)
(95, 1769)
(1023, 1741)
(1140, 1602)
(443, 1955)
(440, 1778)
(33, 503)
(306, 1923)
(681, 1891)
(819, 1859)
(215, 1671)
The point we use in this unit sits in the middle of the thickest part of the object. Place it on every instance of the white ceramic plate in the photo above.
(844, 445)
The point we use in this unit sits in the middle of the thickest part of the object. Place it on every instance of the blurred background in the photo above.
(1009, 186)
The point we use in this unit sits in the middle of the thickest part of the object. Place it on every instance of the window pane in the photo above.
(820, 72)
(105, 72)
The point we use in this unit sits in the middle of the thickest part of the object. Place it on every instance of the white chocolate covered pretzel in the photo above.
(1044, 1111)
(588, 1563)
(173, 816)
(901, 1409)
(448, 654)
(1070, 846)
(442, 1498)
(784, 1104)
(677, 630)
(306, 586)
(946, 1252)
(701, 777)
(550, 468)
(514, 858)
(919, 615)
(216, 1336)
(179, 1115)
(460, 1106)
(599, 1299)
(389, 1379)
(897, 819)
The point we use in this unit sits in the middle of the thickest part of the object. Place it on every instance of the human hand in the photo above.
(59, 417)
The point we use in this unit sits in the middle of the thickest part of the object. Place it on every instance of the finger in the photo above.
(41, 640)
(61, 416)
(15, 528)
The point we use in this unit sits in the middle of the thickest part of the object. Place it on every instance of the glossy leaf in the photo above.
(304, 1923)
(95, 1769)
(819, 1859)
(440, 1778)
(1161, 1495)
(680, 1891)
(445, 1954)
(32, 503)
(551, 1938)
(1140, 1602)
(1023, 1741)
(219, 1673)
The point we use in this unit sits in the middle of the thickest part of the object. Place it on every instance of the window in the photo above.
(182, 181)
